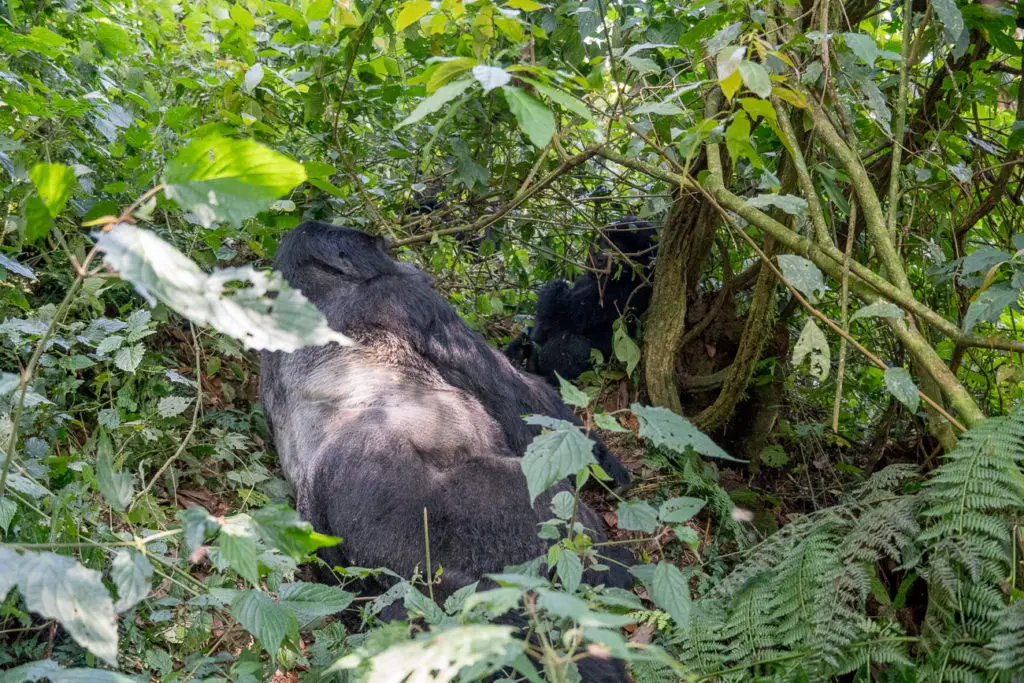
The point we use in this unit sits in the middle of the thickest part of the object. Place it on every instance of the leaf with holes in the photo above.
(669, 430)
(803, 275)
(554, 456)
(879, 309)
(679, 510)
(258, 308)
(222, 179)
(901, 385)
(813, 346)
(265, 619)
(132, 574)
(170, 406)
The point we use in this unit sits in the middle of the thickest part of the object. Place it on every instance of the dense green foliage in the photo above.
(844, 175)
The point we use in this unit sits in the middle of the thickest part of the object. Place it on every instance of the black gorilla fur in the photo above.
(421, 413)
(571, 320)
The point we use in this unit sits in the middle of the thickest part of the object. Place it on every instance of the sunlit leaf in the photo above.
(553, 456)
(813, 346)
(411, 12)
(444, 95)
(533, 117)
(54, 183)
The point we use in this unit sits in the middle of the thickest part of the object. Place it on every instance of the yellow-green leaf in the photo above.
(54, 183)
(525, 5)
(411, 12)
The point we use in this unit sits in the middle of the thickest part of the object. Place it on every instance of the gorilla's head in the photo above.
(632, 236)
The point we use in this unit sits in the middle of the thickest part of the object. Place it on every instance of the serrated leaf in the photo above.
(281, 527)
(54, 183)
(524, 5)
(457, 599)
(554, 456)
(571, 394)
(241, 553)
(445, 94)
(562, 505)
(990, 304)
(755, 78)
(116, 487)
(625, 349)
(443, 653)
(58, 587)
(669, 430)
(411, 12)
(878, 309)
(901, 385)
(534, 119)
(8, 508)
(12, 266)
(110, 344)
(803, 275)
(196, 523)
(38, 220)
(864, 46)
(569, 570)
(170, 406)
(110, 418)
(128, 358)
(671, 592)
(160, 272)
(490, 77)
(791, 204)
(774, 455)
(221, 179)
(310, 601)
(636, 515)
(679, 510)
(418, 603)
(266, 620)
(813, 346)
(608, 423)
(951, 18)
(132, 574)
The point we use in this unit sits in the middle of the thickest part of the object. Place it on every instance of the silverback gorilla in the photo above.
(420, 413)
(572, 319)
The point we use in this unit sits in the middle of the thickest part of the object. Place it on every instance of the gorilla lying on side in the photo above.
(421, 413)
(571, 320)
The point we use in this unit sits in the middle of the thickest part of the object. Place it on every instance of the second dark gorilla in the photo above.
(573, 319)
(421, 413)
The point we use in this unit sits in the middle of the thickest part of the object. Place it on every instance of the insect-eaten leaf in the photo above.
(668, 430)
(803, 275)
(813, 346)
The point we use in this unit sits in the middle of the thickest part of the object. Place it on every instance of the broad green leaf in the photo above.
(571, 394)
(803, 275)
(990, 304)
(659, 108)
(561, 98)
(643, 65)
(160, 272)
(813, 346)
(116, 487)
(669, 430)
(535, 120)
(57, 587)
(268, 621)
(49, 670)
(728, 60)
(445, 94)
(790, 203)
(54, 183)
(240, 552)
(625, 349)
(671, 592)
(679, 510)
(755, 78)
(8, 508)
(864, 46)
(569, 570)
(196, 525)
(951, 18)
(774, 455)
(562, 505)
(608, 423)
(170, 406)
(281, 527)
(879, 309)
(309, 601)
(10, 570)
(737, 140)
(456, 600)
(241, 16)
(411, 12)
(10, 265)
(490, 77)
(253, 77)
(38, 220)
(128, 358)
(525, 5)
(901, 385)
(553, 456)
(636, 515)
(132, 574)
(221, 179)
(418, 603)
